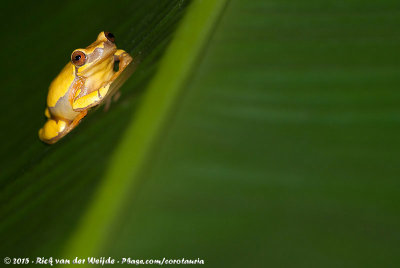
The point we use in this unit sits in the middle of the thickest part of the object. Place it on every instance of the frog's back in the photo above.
(58, 97)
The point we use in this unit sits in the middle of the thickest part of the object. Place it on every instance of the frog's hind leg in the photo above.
(55, 129)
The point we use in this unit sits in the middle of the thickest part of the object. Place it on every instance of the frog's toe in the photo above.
(52, 131)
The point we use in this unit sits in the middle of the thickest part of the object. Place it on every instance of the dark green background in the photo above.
(282, 151)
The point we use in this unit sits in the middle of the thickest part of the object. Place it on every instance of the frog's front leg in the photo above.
(82, 103)
(124, 59)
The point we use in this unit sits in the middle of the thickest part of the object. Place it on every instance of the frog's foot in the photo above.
(116, 96)
(112, 99)
(47, 113)
(53, 130)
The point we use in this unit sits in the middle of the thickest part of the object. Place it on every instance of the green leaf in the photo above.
(252, 134)
(140, 138)
(46, 190)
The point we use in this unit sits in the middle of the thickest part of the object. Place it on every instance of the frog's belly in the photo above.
(63, 109)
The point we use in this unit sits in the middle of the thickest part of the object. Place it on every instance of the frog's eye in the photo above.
(78, 58)
(110, 36)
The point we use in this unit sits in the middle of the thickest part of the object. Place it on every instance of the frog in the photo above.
(81, 85)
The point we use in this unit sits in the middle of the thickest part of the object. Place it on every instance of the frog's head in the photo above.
(95, 55)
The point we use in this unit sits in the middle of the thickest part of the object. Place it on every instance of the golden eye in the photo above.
(78, 58)
(110, 36)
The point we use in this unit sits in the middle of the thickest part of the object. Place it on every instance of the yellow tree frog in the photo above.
(83, 83)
